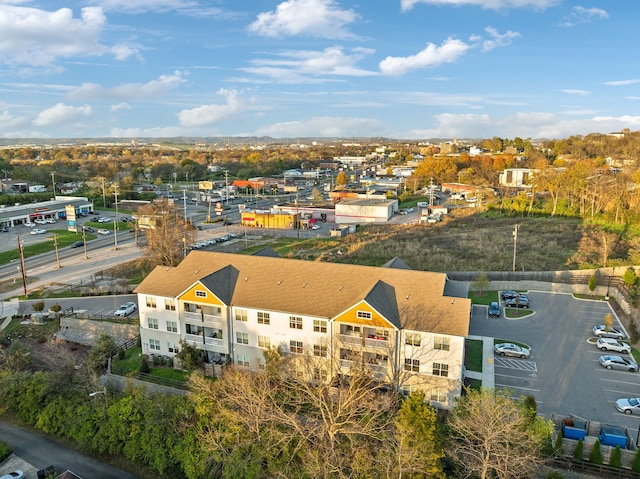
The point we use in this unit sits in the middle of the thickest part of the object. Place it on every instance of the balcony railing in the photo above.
(214, 341)
(195, 339)
(195, 316)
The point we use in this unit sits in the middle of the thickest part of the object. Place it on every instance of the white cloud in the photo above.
(580, 15)
(315, 18)
(487, 4)
(498, 39)
(129, 91)
(622, 82)
(325, 126)
(304, 66)
(8, 122)
(38, 37)
(183, 7)
(570, 91)
(61, 113)
(433, 55)
(210, 114)
(120, 106)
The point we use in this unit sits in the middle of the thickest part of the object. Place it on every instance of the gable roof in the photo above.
(408, 298)
(396, 262)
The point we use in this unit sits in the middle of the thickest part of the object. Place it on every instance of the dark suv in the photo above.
(520, 301)
(494, 310)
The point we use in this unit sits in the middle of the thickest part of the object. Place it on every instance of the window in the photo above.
(441, 342)
(440, 369)
(242, 338)
(151, 302)
(213, 333)
(241, 314)
(412, 339)
(296, 347)
(172, 326)
(363, 315)
(319, 326)
(173, 348)
(263, 318)
(438, 395)
(412, 365)
(264, 342)
(170, 304)
(196, 330)
(152, 323)
(320, 374)
(242, 360)
(295, 322)
(200, 293)
(154, 344)
(320, 350)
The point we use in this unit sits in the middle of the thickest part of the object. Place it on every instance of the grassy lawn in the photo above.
(39, 332)
(131, 363)
(473, 355)
(483, 297)
(515, 313)
(63, 238)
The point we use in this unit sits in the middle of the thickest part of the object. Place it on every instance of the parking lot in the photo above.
(563, 372)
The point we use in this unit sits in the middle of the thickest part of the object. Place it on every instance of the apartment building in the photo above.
(397, 323)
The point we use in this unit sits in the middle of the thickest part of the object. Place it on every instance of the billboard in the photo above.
(70, 211)
(205, 185)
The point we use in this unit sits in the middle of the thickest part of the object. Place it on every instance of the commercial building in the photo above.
(374, 209)
(406, 327)
(55, 209)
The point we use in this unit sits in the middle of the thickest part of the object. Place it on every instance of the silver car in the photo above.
(126, 309)
(628, 406)
(510, 349)
(610, 344)
(618, 362)
(603, 332)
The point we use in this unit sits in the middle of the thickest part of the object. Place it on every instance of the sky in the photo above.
(401, 69)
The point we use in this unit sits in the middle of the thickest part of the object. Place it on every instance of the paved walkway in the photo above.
(487, 376)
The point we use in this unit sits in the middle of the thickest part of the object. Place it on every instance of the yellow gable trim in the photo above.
(191, 296)
(351, 316)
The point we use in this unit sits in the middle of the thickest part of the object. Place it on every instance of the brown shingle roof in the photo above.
(409, 298)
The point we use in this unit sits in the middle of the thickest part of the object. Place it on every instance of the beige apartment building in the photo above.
(397, 323)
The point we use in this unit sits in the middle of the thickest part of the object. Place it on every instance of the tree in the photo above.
(188, 355)
(38, 306)
(417, 447)
(616, 458)
(595, 456)
(558, 447)
(608, 322)
(489, 437)
(316, 197)
(578, 453)
(635, 466)
(629, 277)
(16, 357)
(481, 284)
(341, 179)
(593, 281)
(104, 349)
(167, 233)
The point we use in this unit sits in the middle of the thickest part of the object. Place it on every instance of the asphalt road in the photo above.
(41, 452)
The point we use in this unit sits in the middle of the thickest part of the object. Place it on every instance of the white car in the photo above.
(40, 221)
(610, 344)
(628, 405)
(603, 332)
(38, 231)
(103, 231)
(17, 474)
(103, 219)
(51, 221)
(126, 309)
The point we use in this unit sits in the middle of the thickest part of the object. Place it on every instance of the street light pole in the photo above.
(515, 242)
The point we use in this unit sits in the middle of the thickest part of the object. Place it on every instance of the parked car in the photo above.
(610, 344)
(618, 362)
(38, 231)
(510, 349)
(628, 405)
(17, 474)
(102, 231)
(603, 332)
(494, 310)
(77, 244)
(504, 295)
(40, 221)
(519, 301)
(126, 309)
(51, 221)
(4, 229)
(103, 219)
(89, 229)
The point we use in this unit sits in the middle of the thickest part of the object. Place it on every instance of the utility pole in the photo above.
(515, 242)
(24, 273)
(184, 203)
(226, 186)
(53, 180)
(55, 245)
(104, 197)
(115, 220)
(84, 240)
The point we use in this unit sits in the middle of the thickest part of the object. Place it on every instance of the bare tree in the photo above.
(490, 437)
(167, 233)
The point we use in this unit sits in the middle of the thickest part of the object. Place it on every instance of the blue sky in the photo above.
(405, 69)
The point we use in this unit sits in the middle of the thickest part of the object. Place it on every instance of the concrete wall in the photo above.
(96, 328)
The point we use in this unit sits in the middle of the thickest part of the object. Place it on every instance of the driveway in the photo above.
(562, 373)
(36, 452)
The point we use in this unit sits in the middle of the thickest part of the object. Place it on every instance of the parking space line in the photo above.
(527, 378)
(519, 364)
(518, 387)
(625, 393)
(618, 381)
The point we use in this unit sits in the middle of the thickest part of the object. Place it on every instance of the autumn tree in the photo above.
(166, 231)
(490, 436)
(341, 179)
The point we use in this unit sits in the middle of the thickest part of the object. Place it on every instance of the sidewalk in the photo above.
(487, 376)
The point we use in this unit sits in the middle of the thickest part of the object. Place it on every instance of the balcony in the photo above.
(197, 316)
(194, 339)
(214, 342)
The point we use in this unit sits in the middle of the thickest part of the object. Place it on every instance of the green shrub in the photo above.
(553, 474)
(38, 306)
(558, 447)
(635, 466)
(5, 451)
(121, 354)
(144, 367)
(579, 451)
(596, 453)
(55, 308)
(616, 458)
